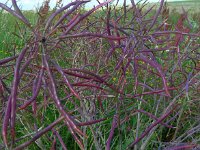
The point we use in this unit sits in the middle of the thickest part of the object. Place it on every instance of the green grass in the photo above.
(11, 42)
(13, 34)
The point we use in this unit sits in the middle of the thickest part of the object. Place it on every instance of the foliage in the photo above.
(111, 77)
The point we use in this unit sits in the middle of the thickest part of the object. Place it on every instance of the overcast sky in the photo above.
(32, 4)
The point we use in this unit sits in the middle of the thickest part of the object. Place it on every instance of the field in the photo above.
(189, 5)
(107, 78)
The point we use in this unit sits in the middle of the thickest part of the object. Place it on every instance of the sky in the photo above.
(33, 4)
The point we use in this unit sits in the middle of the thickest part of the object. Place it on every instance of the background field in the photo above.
(86, 57)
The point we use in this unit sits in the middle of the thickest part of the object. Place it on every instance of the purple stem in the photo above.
(159, 120)
(114, 125)
(68, 13)
(6, 60)
(60, 139)
(87, 34)
(58, 12)
(6, 121)
(90, 122)
(3, 6)
(158, 68)
(82, 17)
(154, 117)
(66, 80)
(39, 134)
(156, 15)
(14, 91)
(52, 90)
(36, 91)
(19, 12)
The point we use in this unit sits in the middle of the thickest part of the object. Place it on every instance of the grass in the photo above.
(13, 37)
(11, 33)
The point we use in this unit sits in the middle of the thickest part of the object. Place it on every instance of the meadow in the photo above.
(106, 78)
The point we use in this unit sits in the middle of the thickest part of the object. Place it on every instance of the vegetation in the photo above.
(107, 78)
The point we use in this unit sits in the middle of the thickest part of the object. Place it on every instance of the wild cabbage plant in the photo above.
(109, 76)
